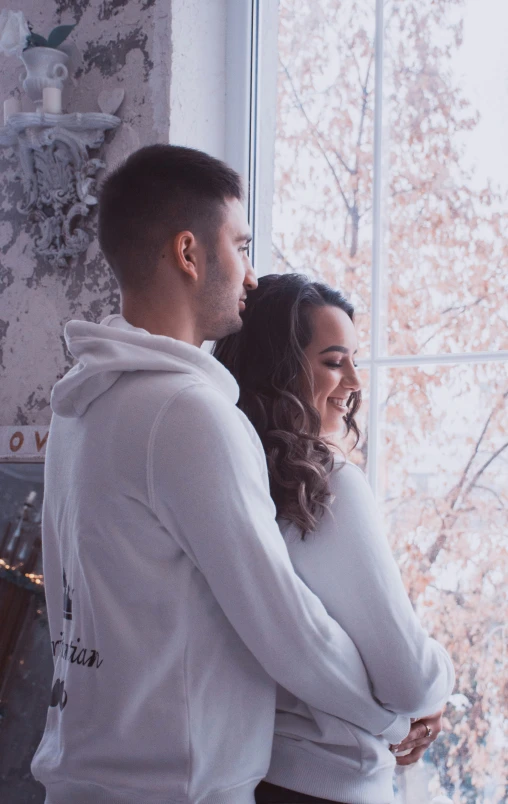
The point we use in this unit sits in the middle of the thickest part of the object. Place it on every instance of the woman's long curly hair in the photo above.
(267, 359)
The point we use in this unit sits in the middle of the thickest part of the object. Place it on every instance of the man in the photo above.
(172, 603)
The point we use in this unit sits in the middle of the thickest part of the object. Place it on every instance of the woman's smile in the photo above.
(339, 404)
(331, 359)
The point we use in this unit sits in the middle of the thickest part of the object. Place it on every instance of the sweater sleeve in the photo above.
(208, 486)
(348, 563)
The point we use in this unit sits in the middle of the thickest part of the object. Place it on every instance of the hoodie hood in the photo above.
(105, 351)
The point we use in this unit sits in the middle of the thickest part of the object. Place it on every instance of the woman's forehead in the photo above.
(332, 326)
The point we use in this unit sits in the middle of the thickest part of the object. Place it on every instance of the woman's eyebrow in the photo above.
(335, 349)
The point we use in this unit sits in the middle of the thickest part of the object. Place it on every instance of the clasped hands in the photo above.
(423, 732)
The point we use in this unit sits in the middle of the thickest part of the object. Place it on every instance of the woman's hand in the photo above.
(423, 732)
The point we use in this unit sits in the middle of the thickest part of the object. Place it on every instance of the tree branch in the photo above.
(451, 518)
(365, 95)
(463, 307)
(457, 489)
(281, 256)
(317, 138)
(496, 495)
(482, 469)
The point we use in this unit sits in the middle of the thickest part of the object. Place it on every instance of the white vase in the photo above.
(45, 67)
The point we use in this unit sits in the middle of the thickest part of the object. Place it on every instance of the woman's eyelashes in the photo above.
(338, 365)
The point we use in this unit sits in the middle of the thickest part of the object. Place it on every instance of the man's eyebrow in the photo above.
(245, 238)
(337, 349)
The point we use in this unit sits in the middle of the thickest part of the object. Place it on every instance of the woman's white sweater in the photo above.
(348, 563)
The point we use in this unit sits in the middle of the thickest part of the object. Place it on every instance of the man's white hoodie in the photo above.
(173, 605)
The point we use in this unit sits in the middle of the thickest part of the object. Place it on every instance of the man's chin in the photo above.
(230, 328)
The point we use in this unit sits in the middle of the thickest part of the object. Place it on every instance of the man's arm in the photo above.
(208, 488)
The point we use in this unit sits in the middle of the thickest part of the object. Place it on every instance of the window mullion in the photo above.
(253, 189)
(443, 359)
(377, 235)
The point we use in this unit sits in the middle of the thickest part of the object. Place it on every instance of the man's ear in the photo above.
(185, 253)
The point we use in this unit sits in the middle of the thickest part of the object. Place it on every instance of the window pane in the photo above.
(322, 222)
(446, 183)
(443, 462)
(444, 479)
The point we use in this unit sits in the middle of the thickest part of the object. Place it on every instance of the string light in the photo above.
(30, 576)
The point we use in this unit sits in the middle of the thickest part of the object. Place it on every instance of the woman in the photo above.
(294, 361)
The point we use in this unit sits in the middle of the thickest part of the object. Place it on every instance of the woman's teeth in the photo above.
(340, 404)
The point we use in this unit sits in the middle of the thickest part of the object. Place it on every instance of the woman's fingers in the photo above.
(425, 728)
(418, 736)
(414, 756)
(423, 732)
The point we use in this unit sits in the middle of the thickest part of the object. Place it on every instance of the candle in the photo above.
(52, 100)
(12, 105)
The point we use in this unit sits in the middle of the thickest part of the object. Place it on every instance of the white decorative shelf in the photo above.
(58, 175)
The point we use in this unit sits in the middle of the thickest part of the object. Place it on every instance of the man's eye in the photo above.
(245, 248)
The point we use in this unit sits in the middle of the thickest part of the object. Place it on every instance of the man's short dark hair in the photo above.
(158, 191)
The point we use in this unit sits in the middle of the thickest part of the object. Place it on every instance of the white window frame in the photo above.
(251, 86)
(262, 92)
(251, 119)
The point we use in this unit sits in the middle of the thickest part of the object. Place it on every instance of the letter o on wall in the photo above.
(16, 441)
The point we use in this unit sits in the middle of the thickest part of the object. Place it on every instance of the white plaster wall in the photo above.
(123, 43)
(198, 68)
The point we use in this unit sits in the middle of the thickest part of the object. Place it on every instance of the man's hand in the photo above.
(423, 732)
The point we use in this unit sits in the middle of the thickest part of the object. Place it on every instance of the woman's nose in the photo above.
(351, 381)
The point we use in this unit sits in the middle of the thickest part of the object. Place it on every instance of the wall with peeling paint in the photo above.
(121, 43)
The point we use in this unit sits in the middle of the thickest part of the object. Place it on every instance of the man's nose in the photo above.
(251, 281)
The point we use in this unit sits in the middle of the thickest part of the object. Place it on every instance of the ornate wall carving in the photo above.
(58, 173)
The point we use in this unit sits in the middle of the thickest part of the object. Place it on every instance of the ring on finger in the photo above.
(429, 731)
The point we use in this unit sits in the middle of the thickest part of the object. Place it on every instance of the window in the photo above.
(380, 152)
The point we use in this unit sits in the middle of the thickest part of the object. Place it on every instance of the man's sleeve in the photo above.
(207, 488)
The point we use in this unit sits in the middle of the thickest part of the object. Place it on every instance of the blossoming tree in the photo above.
(443, 461)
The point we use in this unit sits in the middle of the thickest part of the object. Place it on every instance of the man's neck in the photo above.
(172, 324)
